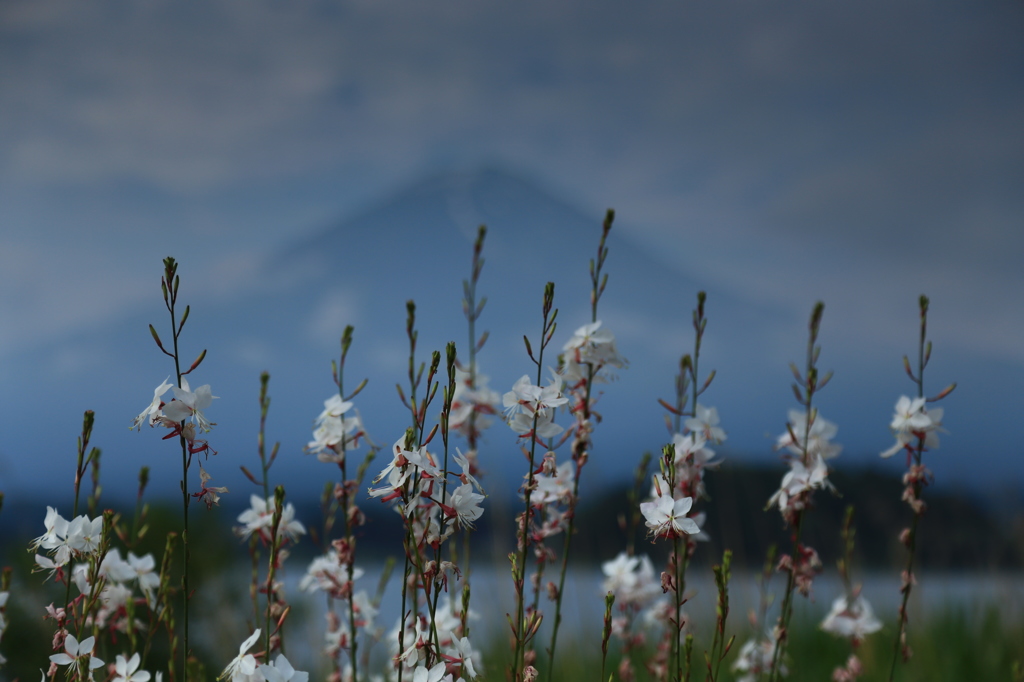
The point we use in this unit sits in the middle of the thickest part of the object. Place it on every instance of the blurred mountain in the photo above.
(285, 314)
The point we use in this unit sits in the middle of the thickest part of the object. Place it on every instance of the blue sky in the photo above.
(774, 154)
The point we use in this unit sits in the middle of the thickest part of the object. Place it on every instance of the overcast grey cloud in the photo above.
(856, 153)
(883, 138)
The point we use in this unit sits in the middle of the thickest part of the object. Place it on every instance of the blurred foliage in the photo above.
(952, 646)
(214, 550)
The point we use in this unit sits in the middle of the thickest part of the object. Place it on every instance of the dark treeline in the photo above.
(960, 531)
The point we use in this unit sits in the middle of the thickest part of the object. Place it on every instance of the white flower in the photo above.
(462, 652)
(466, 465)
(56, 530)
(854, 619)
(421, 674)
(554, 488)
(821, 433)
(190, 405)
(333, 407)
(364, 609)
(463, 505)
(259, 518)
(243, 667)
(149, 578)
(691, 458)
(913, 422)
(529, 399)
(593, 345)
(77, 653)
(523, 424)
(128, 670)
(334, 433)
(705, 421)
(667, 516)
(84, 535)
(152, 411)
(755, 659)
(115, 568)
(631, 579)
(282, 671)
(467, 400)
(328, 574)
(799, 479)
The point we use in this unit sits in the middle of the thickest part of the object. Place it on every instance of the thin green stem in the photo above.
(547, 328)
(184, 495)
(810, 386)
(923, 352)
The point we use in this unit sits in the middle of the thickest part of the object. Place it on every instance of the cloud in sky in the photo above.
(860, 154)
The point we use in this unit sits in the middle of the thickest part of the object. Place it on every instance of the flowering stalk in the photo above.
(334, 437)
(609, 601)
(188, 405)
(415, 436)
(349, 510)
(678, 561)
(851, 615)
(275, 551)
(632, 522)
(521, 630)
(88, 419)
(264, 482)
(5, 591)
(139, 526)
(794, 495)
(683, 463)
(915, 429)
(475, 399)
(440, 580)
(755, 655)
(582, 412)
(720, 646)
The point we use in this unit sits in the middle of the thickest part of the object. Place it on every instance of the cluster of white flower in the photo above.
(81, 539)
(638, 592)
(117, 575)
(414, 477)
(914, 424)
(259, 518)
(530, 409)
(592, 346)
(67, 539)
(334, 433)
(329, 574)
(667, 513)
(414, 482)
(756, 658)
(809, 445)
(467, 401)
(631, 579)
(851, 617)
(78, 656)
(458, 657)
(186, 405)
